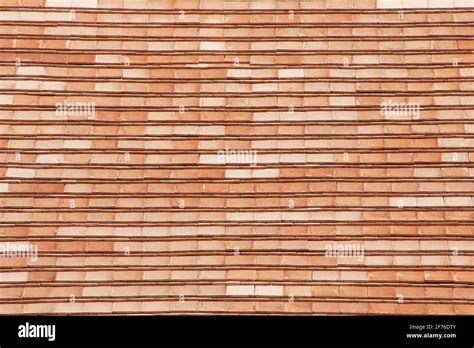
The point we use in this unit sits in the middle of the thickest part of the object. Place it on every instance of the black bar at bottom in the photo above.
(156, 331)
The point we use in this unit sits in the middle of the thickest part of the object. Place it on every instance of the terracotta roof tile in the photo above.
(287, 157)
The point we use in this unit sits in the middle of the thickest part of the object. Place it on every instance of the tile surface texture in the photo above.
(236, 157)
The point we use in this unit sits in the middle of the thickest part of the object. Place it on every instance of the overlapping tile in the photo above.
(277, 157)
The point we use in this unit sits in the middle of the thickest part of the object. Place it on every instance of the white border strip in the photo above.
(392, 4)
